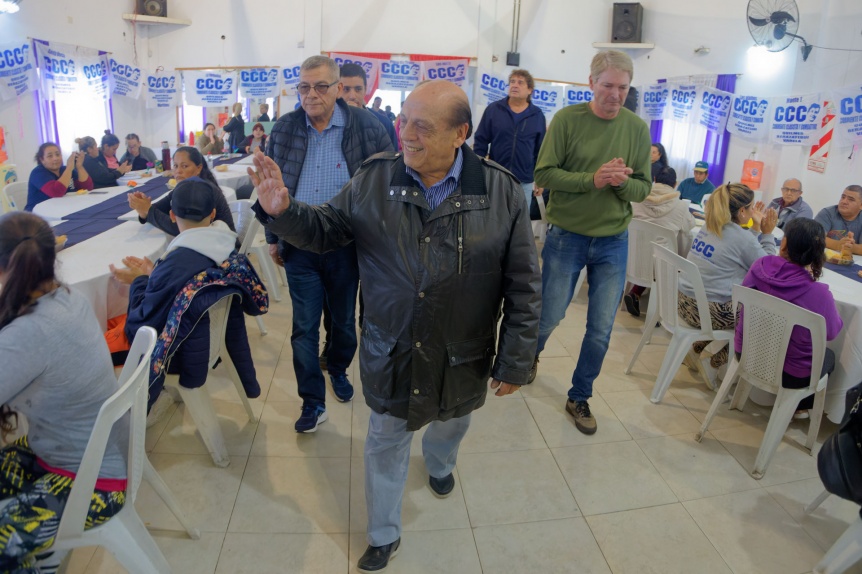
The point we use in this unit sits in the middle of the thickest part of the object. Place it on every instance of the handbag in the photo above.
(839, 462)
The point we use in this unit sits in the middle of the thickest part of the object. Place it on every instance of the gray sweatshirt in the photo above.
(57, 372)
(724, 261)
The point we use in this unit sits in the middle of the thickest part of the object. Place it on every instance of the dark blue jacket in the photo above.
(514, 139)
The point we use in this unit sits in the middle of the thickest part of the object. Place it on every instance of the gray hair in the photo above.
(314, 62)
(611, 59)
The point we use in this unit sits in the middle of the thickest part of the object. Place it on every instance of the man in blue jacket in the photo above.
(513, 128)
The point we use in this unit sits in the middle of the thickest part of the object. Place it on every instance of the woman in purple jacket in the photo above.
(792, 275)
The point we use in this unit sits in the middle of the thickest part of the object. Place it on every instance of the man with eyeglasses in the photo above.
(318, 148)
(790, 205)
(354, 80)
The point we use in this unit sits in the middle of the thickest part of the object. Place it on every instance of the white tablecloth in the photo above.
(229, 195)
(85, 266)
(234, 177)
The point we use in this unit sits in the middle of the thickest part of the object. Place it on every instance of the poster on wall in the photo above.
(95, 71)
(209, 88)
(17, 69)
(288, 78)
(492, 87)
(680, 105)
(126, 80)
(749, 118)
(548, 98)
(370, 65)
(58, 66)
(399, 75)
(258, 83)
(454, 71)
(163, 90)
(794, 120)
(848, 112)
(713, 108)
(653, 100)
(577, 95)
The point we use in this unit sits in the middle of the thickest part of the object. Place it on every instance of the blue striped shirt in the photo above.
(324, 171)
(435, 194)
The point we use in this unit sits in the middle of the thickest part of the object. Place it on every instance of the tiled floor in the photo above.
(533, 495)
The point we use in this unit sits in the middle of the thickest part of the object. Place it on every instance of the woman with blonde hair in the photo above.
(723, 252)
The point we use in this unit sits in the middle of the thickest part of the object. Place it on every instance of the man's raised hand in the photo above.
(266, 177)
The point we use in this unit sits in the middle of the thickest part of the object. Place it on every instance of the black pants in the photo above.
(788, 381)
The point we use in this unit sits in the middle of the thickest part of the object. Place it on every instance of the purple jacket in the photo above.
(780, 278)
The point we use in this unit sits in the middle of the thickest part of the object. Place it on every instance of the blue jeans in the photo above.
(528, 192)
(387, 456)
(564, 255)
(311, 278)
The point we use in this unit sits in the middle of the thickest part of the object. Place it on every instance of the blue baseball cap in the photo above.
(701, 166)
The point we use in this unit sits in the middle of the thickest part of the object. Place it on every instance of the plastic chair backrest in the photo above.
(15, 195)
(245, 222)
(767, 324)
(705, 199)
(668, 268)
(131, 396)
(218, 313)
(639, 267)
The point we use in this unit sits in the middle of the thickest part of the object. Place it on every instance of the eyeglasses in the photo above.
(786, 189)
(321, 88)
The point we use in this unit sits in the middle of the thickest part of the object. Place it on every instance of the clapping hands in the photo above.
(135, 267)
(764, 220)
(139, 201)
(613, 173)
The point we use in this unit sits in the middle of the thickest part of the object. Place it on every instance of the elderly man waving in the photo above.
(443, 240)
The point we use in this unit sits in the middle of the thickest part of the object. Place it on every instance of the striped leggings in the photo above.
(722, 317)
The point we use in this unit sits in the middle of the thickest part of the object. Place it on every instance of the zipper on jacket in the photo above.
(460, 242)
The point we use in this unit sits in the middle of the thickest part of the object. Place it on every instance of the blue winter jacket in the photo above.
(514, 139)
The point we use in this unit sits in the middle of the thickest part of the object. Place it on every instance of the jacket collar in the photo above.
(472, 177)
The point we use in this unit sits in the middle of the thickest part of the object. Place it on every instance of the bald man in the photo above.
(444, 242)
(790, 205)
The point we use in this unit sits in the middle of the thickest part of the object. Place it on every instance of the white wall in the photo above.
(555, 44)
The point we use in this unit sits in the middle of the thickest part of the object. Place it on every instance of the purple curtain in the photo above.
(715, 147)
(655, 126)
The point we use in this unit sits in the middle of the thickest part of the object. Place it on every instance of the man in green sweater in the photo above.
(595, 159)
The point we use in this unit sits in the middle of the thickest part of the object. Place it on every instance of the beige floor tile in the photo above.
(293, 495)
(613, 379)
(549, 547)
(554, 377)
(246, 553)
(554, 347)
(79, 559)
(276, 435)
(791, 462)
(424, 552)
(558, 426)
(825, 524)
(612, 477)
(420, 509)
(697, 398)
(182, 437)
(657, 540)
(696, 469)
(502, 425)
(154, 433)
(205, 492)
(507, 487)
(644, 419)
(754, 534)
(222, 388)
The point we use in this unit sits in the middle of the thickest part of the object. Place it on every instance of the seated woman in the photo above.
(662, 207)
(137, 155)
(188, 162)
(256, 140)
(792, 276)
(53, 179)
(658, 159)
(236, 128)
(209, 143)
(99, 160)
(60, 392)
(723, 252)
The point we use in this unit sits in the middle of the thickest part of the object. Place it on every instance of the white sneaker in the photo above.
(801, 415)
(708, 372)
(160, 409)
(691, 361)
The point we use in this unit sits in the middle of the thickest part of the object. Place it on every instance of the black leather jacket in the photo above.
(287, 144)
(433, 283)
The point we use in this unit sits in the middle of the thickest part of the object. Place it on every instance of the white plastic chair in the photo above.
(705, 199)
(198, 401)
(846, 551)
(124, 534)
(640, 269)
(261, 250)
(668, 268)
(767, 325)
(15, 196)
(247, 227)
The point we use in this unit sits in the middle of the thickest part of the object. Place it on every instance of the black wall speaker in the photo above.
(153, 8)
(627, 23)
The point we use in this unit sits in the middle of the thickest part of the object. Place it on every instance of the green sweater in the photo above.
(577, 144)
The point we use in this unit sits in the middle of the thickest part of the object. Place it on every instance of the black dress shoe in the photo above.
(442, 487)
(376, 558)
